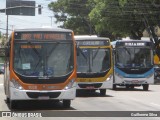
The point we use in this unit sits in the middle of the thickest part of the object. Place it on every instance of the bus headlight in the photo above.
(16, 84)
(109, 78)
(149, 76)
(119, 75)
(70, 84)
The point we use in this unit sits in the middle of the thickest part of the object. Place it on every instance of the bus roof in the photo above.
(90, 37)
(43, 29)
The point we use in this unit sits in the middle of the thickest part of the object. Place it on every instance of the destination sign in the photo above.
(42, 36)
(31, 46)
(93, 43)
(133, 44)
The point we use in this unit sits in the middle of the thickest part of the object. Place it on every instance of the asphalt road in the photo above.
(134, 101)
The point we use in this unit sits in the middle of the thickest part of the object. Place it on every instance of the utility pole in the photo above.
(7, 29)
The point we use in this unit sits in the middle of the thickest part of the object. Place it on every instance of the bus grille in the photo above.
(38, 94)
(96, 85)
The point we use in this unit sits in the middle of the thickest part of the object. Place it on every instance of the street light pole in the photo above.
(7, 29)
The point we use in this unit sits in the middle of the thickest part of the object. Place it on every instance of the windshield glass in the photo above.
(93, 60)
(134, 57)
(43, 59)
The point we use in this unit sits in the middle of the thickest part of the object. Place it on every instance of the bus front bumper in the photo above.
(68, 94)
(108, 84)
(133, 81)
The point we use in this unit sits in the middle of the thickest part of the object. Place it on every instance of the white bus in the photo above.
(134, 64)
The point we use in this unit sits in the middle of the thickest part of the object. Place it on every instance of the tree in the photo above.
(125, 17)
(111, 18)
(73, 14)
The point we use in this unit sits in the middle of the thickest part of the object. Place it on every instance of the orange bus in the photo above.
(40, 64)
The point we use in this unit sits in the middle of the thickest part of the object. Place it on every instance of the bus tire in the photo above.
(102, 92)
(145, 87)
(66, 103)
(127, 86)
(7, 100)
(114, 86)
(132, 86)
(13, 104)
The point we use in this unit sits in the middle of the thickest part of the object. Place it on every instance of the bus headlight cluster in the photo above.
(109, 78)
(149, 76)
(70, 84)
(16, 84)
(119, 75)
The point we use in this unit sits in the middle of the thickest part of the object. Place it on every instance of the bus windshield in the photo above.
(53, 59)
(128, 57)
(93, 60)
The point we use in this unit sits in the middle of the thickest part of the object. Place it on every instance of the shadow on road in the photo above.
(87, 93)
(131, 89)
(157, 82)
(39, 105)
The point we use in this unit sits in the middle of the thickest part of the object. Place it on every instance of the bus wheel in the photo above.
(127, 86)
(132, 86)
(7, 100)
(114, 87)
(66, 103)
(145, 87)
(103, 92)
(12, 104)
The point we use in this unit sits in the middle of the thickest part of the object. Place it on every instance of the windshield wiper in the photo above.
(94, 56)
(37, 53)
(127, 50)
(82, 53)
(47, 56)
(53, 48)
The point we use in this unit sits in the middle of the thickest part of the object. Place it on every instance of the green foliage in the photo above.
(73, 14)
(124, 17)
(107, 17)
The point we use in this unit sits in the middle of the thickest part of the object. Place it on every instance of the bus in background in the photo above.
(94, 63)
(40, 65)
(134, 65)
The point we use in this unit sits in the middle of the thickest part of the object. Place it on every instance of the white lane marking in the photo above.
(1, 84)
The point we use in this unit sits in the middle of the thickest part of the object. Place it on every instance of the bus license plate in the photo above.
(90, 87)
(135, 81)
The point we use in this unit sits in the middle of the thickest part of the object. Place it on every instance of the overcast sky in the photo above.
(28, 21)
